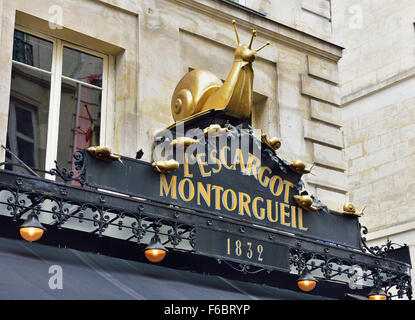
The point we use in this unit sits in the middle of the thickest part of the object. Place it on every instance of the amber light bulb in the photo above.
(31, 234)
(306, 285)
(377, 294)
(155, 255)
(377, 297)
(306, 282)
(32, 230)
(155, 251)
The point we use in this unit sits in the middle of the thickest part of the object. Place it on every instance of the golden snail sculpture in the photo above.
(350, 209)
(166, 166)
(201, 90)
(274, 143)
(299, 166)
(103, 153)
(183, 142)
(215, 130)
(305, 202)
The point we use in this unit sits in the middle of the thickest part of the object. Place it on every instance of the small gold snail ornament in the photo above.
(215, 130)
(273, 143)
(166, 166)
(306, 202)
(350, 209)
(299, 166)
(104, 154)
(183, 142)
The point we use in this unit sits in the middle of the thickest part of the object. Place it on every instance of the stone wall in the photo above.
(377, 77)
(380, 156)
(311, 16)
(378, 39)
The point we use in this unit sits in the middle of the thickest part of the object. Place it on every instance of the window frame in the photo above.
(241, 2)
(55, 91)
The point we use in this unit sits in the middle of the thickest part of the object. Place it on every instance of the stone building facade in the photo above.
(378, 111)
(336, 85)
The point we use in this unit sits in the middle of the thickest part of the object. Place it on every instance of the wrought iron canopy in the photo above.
(64, 205)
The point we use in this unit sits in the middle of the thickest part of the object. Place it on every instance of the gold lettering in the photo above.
(167, 188)
(244, 200)
(288, 185)
(202, 164)
(280, 186)
(191, 190)
(255, 208)
(224, 158)
(217, 196)
(201, 191)
(285, 213)
(186, 166)
(251, 167)
(300, 220)
(269, 211)
(239, 159)
(219, 168)
(264, 182)
(293, 217)
(225, 200)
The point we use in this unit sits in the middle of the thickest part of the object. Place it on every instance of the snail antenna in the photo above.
(252, 38)
(262, 47)
(236, 32)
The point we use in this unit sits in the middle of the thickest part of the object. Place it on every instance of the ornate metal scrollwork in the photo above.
(243, 268)
(106, 215)
(68, 175)
(379, 251)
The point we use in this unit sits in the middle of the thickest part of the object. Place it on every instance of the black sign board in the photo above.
(242, 249)
(237, 177)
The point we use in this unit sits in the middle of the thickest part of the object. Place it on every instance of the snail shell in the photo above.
(103, 153)
(166, 166)
(192, 91)
(183, 142)
(305, 202)
(215, 130)
(299, 167)
(349, 208)
(273, 143)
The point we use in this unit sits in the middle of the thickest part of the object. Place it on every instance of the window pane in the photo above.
(26, 151)
(28, 116)
(83, 67)
(32, 50)
(79, 121)
(24, 122)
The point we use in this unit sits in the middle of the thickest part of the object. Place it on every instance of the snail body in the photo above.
(201, 90)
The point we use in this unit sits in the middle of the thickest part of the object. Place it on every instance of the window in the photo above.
(57, 100)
